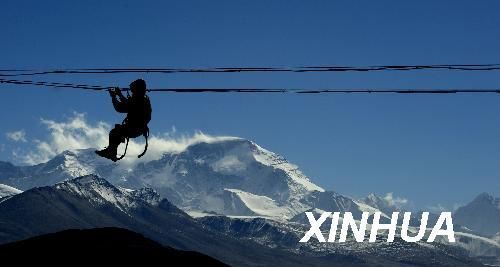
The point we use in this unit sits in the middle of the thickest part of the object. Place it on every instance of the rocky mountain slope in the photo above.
(482, 215)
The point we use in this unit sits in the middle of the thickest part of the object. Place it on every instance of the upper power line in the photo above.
(453, 67)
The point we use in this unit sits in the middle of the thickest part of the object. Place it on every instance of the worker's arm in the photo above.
(120, 104)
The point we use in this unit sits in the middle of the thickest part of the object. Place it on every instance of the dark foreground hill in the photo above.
(114, 245)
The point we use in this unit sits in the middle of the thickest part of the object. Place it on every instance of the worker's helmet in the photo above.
(138, 87)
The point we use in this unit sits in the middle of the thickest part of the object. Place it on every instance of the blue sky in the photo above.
(430, 149)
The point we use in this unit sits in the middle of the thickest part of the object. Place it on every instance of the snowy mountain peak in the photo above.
(100, 192)
(269, 158)
(226, 177)
(236, 154)
(66, 164)
(92, 187)
(77, 163)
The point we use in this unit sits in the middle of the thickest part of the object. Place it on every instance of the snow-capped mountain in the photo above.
(67, 165)
(6, 191)
(482, 215)
(234, 177)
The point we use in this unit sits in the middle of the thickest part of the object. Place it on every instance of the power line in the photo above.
(320, 91)
(55, 84)
(453, 67)
(253, 90)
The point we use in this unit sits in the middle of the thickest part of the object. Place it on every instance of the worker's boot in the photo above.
(109, 153)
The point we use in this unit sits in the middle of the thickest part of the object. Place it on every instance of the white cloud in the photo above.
(17, 136)
(397, 202)
(78, 133)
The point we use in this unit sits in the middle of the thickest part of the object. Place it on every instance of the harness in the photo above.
(145, 133)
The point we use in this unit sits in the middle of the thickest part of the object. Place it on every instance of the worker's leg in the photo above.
(116, 136)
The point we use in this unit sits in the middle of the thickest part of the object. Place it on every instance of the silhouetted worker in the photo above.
(138, 109)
